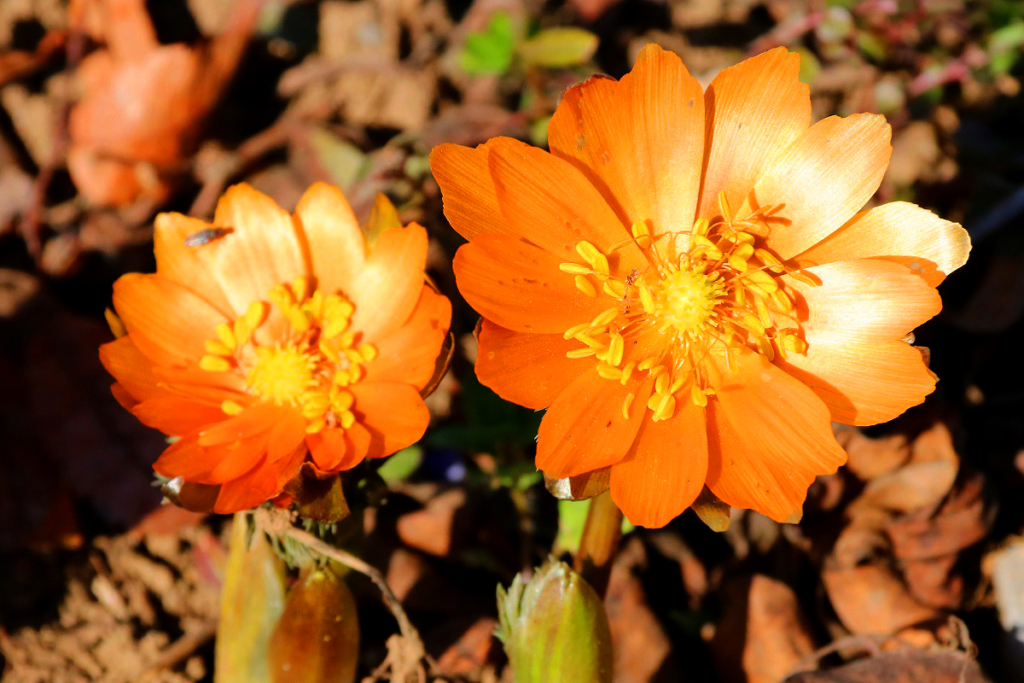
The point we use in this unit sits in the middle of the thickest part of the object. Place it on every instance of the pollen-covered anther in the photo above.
(585, 285)
(641, 234)
(310, 368)
(721, 291)
(595, 258)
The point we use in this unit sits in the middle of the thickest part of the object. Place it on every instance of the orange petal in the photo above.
(665, 469)
(132, 370)
(327, 448)
(193, 267)
(358, 444)
(288, 467)
(286, 435)
(899, 231)
(823, 178)
(640, 141)
(769, 436)
(519, 286)
(235, 459)
(255, 487)
(410, 353)
(528, 369)
(393, 413)
(336, 248)
(254, 420)
(337, 450)
(388, 287)
(865, 300)
(138, 377)
(177, 416)
(753, 111)
(470, 201)
(205, 387)
(553, 205)
(863, 384)
(183, 458)
(123, 397)
(167, 322)
(263, 250)
(584, 429)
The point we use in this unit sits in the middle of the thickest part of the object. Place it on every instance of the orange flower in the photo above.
(687, 287)
(275, 337)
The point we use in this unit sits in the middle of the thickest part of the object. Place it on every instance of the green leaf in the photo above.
(539, 131)
(401, 465)
(555, 48)
(383, 216)
(572, 517)
(344, 162)
(489, 51)
(1005, 47)
(872, 46)
(251, 603)
(810, 67)
(489, 421)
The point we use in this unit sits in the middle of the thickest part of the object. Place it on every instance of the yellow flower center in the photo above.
(281, 375)
(685, 299)
(710, 289)
(309, 364)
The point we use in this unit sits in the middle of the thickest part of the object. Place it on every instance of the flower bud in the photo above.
(554, 628)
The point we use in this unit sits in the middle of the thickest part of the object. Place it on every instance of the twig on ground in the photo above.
(29, 225)
(232, 163)
(179, 650)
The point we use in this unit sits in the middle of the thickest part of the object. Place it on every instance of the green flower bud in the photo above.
(554, 628)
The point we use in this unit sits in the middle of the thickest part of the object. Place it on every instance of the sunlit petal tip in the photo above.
(470, 199)
(654, 52)
(900, 231)
(334, 244)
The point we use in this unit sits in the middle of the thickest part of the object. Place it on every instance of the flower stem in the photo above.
(599, 541)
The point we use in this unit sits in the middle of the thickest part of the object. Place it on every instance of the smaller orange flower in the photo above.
(265, 338)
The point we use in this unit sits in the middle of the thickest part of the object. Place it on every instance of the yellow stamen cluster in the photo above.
(309, 367)
(712, 286)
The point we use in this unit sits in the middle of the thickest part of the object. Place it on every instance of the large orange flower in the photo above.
(686, 284)
(265, 337)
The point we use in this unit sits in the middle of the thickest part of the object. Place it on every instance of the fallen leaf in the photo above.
(468, 654)
(763, 634)
(909, 488)
(640, 646)
(871, 599)
(870, 458)
(904, 666)
(144, 104)
(15, 64)
(431, 528)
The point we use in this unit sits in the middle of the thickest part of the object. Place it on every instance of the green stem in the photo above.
(599, 542)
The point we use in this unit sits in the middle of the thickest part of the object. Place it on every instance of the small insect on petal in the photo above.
(203, 237)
